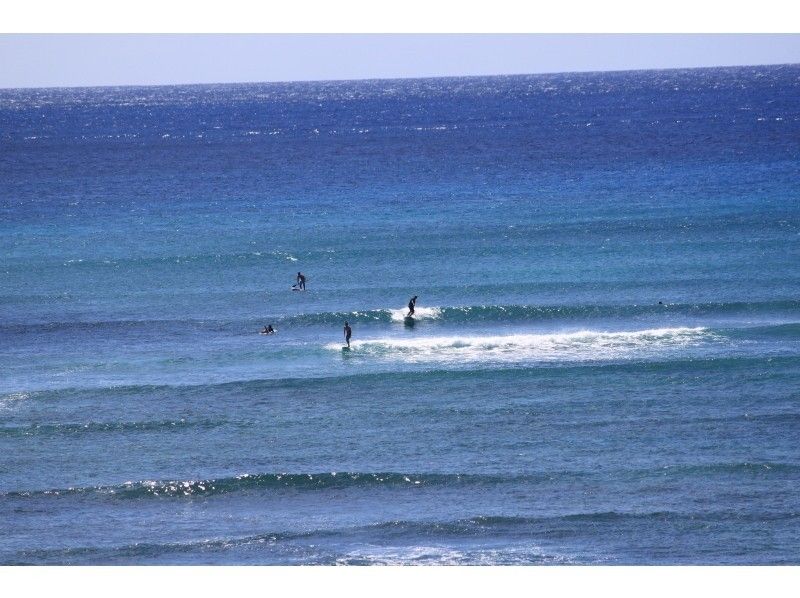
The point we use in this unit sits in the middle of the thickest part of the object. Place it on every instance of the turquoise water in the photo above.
(604, 366)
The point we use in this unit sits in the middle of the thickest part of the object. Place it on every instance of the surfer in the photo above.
(411, 305)
(348, 332)
(268, 329)
(301, 281)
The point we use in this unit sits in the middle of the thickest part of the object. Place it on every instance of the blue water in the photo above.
(604, 367)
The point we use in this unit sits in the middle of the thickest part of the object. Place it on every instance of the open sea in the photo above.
(604, 367)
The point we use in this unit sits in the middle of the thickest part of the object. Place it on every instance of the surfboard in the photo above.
(409, 321)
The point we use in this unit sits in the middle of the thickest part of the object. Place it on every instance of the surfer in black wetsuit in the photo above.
(268, 330)
(411, 305)
(348, 332)
(301, 281)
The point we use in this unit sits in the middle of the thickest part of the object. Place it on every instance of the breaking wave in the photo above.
(570, 346)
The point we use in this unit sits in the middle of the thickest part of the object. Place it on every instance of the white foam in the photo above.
(423, 554)
(403, 555)
(420, 313)
(570, 346)
(9, 399)
(285, 255)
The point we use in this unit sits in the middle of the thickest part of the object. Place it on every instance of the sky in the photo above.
(70, 60)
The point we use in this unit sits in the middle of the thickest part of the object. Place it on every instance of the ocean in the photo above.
(603, 367)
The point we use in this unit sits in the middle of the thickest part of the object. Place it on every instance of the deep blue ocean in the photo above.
(604, 366)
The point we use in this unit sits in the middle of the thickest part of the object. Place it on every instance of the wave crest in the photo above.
(512, 313)
(420, 313)
(581, 345)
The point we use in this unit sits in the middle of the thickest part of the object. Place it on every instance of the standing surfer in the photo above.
(301, 281)
(348, 332)
(411, 305)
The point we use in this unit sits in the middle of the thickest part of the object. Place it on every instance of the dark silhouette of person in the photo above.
(301, 281)
(411, 305)
(348, 332)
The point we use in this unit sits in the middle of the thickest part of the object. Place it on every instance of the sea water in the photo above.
(603, 367)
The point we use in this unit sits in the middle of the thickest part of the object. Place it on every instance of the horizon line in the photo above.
(401, 78)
